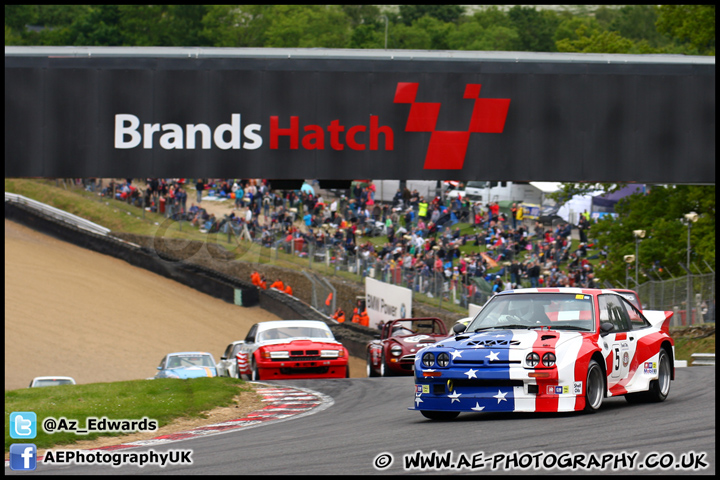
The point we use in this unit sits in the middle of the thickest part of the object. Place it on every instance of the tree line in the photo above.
(635, 29)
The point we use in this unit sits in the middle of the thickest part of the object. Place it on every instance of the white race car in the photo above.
(228, 365)
(51, 381)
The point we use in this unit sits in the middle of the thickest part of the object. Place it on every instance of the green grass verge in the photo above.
(163, 400)
(686, 346)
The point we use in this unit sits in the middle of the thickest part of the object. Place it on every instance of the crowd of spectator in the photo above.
(424, 247)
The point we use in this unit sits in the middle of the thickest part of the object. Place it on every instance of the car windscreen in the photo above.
(183, 361)
(415, 327)
(51, 383)
(285, 333)
(559, 311)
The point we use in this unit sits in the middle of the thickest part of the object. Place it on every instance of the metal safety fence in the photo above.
(672, 294)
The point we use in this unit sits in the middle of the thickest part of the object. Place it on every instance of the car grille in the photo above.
(460, 384)
(300, 355)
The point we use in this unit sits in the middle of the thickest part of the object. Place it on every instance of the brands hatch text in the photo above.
(128, 135)
(446, 149)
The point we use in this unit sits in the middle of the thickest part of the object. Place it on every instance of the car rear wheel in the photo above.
(658, 389)
(594, 387)
(435, 415)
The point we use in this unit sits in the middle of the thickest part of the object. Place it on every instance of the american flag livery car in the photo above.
(287, 349)
(547, 350)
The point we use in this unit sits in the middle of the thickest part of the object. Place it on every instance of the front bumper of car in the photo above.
(302, 369)
(489, 389)
(403, 365)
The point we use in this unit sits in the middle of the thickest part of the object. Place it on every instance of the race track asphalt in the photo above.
(369, 422)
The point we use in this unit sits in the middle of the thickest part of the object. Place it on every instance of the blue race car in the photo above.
(187, 365)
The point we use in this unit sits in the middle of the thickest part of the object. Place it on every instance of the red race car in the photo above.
(287, 349)
(630, 295)
(393, 351)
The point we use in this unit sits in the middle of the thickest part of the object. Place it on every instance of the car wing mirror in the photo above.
(223, 358)
(606, 327)
(159, 368)
(458, 328)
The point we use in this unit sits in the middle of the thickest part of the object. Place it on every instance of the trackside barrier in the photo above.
(57, 214)
(703, 359)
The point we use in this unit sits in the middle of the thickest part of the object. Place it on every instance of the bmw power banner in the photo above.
(385, 302)
(334, 118)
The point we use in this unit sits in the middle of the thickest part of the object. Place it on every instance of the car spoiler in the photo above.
(659, 319)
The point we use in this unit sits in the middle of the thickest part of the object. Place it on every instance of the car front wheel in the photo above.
(255, 375)
(658, 389)
(594, 387)
(384, 371)
(370, 370)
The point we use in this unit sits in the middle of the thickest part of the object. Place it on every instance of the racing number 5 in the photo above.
(617, 359)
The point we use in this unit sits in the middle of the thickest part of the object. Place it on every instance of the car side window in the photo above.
(251, 334)
(228, 351)
(236, 350)
(637, 321)
(162, 362)
(604, 312)
(612, 310)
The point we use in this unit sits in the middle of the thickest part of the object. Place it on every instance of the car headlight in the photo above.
(443, 359)
(278, 355)
(428, 359)
(532, 359)
(396, 350)
(548, 359)
(331, 353)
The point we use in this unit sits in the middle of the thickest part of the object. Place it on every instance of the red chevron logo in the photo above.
(447, 149)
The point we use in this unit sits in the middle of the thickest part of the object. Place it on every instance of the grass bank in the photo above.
(163, 400)
(689, 340)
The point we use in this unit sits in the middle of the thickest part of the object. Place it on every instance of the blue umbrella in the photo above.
(307, 188)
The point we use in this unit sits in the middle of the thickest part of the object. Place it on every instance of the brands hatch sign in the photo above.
(446, 150)
(551, 118)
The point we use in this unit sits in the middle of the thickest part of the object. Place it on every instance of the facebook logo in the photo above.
(23, 425)
(23, 456)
